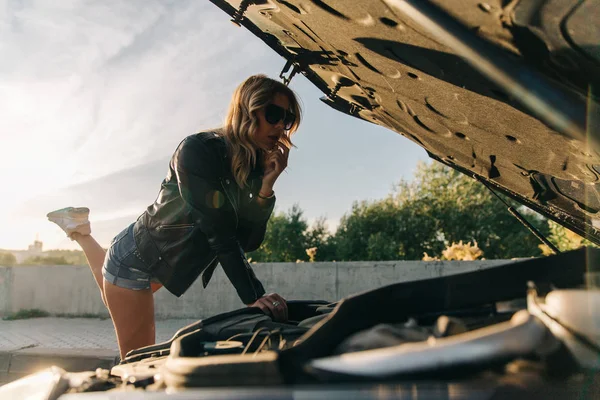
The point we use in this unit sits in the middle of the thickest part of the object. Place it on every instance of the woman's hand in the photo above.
(274, 164)
(272, 304)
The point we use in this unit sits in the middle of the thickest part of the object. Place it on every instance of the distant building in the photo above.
(36, 247)
(33, 250)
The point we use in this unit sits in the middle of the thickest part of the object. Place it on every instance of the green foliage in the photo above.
(72, 257)
(26, 314)
(317, 237)
(50, 260)
(441, 206)
(7, 259)
(564, 239)
(284, 238)
(288, 237)
(57, 257)
(370, 232)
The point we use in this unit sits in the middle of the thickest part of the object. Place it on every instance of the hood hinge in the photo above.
(238, 16)
(285, 69)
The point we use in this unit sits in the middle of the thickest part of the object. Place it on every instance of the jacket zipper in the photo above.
(232, 203)
(165, 227)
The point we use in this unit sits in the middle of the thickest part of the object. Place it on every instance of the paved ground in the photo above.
(72, 333)
(74, 344)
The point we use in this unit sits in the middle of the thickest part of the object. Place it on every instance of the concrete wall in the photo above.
(72, 289)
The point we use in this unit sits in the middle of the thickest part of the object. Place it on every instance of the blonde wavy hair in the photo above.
(241, 122)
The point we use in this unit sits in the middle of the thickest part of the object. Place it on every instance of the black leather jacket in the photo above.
(201, 217)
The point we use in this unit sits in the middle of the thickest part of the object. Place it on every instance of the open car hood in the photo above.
(501, 91)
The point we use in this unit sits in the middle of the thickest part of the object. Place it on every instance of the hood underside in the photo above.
(502, 91)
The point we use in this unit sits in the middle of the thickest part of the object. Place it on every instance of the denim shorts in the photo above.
(123, 266)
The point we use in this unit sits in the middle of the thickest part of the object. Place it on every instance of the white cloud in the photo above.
(84, 81)
(88, 89)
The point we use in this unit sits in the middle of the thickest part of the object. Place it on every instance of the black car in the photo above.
(505, 91)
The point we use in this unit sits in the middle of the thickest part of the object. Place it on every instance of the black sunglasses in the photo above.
(274, 114)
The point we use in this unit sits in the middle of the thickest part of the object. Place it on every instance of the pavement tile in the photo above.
(4, 361)
(5, 377)
(72, 333)
(72, 360)
(74, 344)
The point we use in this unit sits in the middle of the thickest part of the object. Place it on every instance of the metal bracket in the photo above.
(285, 69)
(238, 16)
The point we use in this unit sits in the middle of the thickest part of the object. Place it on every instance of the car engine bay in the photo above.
(533, 332)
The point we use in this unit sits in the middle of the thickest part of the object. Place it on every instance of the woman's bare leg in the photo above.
(94, 253)
(132, 313)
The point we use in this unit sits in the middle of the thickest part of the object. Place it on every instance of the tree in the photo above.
(284, 238)
(7, 259)
(442, 212)
(370, 232)
(73, 257)
(564, 239)
(318, 238)
(50, 260)
(289, 239)
(439, 207)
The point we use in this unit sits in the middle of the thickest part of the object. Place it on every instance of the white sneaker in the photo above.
(72, 220)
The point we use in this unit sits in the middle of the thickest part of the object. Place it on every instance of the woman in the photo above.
(212, 207)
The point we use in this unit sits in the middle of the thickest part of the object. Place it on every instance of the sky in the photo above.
(96, 95)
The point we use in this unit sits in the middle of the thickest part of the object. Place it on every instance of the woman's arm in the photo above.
(262, 205)
(253, 234)
(197, 166)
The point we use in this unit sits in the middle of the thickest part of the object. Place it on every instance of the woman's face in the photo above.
(267, 135)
